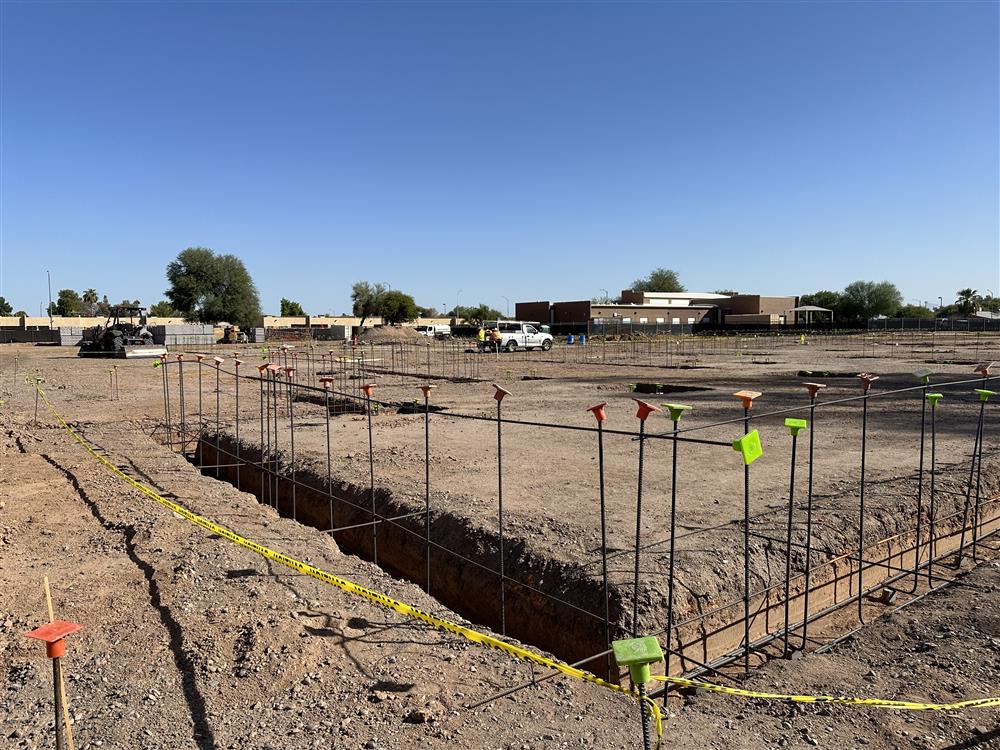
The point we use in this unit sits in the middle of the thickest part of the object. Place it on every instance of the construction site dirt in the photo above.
(191, 642)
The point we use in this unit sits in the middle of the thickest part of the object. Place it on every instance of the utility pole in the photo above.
(48, 275)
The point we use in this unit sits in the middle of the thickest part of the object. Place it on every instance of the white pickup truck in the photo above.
(516, 335)
(439, 331)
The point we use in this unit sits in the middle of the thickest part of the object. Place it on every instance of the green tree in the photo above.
(5, 307)
(68, 303)
(967, 299)
(428, 312)
(396, 307)
(659, 280)
(476, 315)
(104, 307)
(824, 298)
(991, 303)
(862, 300)
(163, 309)
(20, 314)
(914, 311)
(211, 288)
(366, 298)
(291, 309)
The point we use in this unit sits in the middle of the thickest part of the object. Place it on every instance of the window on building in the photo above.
(643, 320)
(659, 320)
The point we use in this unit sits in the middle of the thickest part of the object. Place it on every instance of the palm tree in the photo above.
(966, 301)
(89, 299)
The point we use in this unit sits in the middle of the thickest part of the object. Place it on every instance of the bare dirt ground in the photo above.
(191, 642)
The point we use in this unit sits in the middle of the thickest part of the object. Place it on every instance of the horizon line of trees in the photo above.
(209, 287)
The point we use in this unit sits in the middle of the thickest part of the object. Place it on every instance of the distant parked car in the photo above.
(440, 331)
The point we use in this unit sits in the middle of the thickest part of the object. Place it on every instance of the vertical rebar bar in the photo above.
(601, 415)
(746, 551)
(788, 544)
(56, 682)
(638, 532)
(920, 487)
(239, 461)
(183, 417)
(642, 413)
(499, 394)
(218, 454)
(968, 492)
(866, 381)
(671, 568)
(932, 510)
(809, 515)
(427, 484)
(201, 421)
(371, 470)
(325, 380)
(290, 375)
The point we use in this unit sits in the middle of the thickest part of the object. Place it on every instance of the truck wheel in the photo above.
(511, 346)
(546, 345)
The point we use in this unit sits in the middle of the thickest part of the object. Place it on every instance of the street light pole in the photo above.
(48, 276)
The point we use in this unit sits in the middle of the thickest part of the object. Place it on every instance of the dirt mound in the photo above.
(385, 334)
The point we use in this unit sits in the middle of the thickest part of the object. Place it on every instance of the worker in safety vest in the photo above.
(495, 338)
(481, 337)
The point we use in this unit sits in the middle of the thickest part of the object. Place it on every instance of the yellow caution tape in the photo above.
(353, 588)
(839, 700)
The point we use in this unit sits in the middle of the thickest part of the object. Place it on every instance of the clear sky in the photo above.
(472, 151)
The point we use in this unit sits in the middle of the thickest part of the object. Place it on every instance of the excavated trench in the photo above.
(554, 611)
(463, 558)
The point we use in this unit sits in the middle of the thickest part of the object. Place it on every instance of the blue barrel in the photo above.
(569, 339)
(583, 339)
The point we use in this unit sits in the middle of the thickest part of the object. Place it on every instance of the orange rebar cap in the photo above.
(218, 360)
(499, 392)
(867, 379)
(427, 389)
(53, 634)
(983, 368)
(199, 357)
(598, 411)
(645, 409)
(747, 397)
(814, 388)
(326, 380)
(368, 389)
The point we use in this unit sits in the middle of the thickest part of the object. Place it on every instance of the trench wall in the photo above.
(469, 586)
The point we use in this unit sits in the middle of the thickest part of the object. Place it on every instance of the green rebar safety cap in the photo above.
(984, 395)
(934, 398)
(676, 410)
(795, 426)
(749, 446)
(637, 654)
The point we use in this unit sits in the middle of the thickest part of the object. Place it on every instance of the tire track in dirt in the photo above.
(202, 734)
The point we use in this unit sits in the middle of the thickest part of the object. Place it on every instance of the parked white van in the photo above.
(516, 334)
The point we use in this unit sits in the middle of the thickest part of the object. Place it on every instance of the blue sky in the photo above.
(475, 151)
